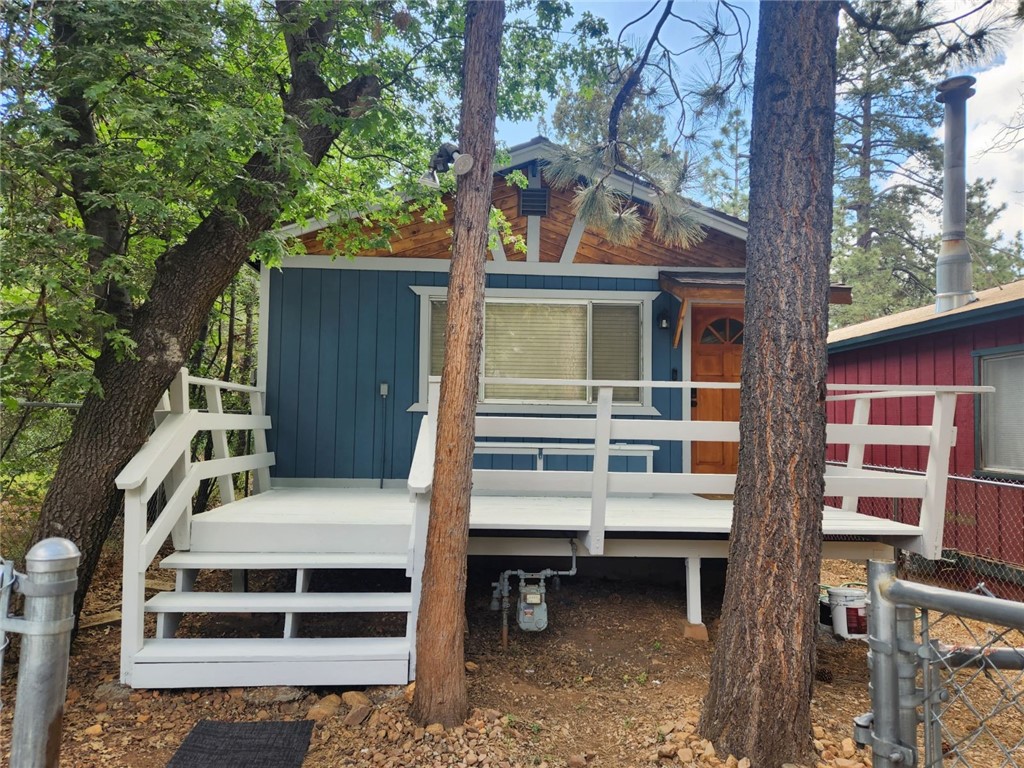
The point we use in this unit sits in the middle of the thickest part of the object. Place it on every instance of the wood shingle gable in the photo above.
(423, 239)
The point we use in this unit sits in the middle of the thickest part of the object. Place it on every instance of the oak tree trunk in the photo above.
(762, 672)
(440, 675)
(82, 502)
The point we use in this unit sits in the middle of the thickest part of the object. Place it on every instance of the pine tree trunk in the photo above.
(440, 675)
(762, 672)
(82, 501)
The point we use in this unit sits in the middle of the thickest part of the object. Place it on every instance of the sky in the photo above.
(1000, 95)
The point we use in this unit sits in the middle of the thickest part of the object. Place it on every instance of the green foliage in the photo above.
(126, 124)
(889, 169)
(725, 171)
(629, 127)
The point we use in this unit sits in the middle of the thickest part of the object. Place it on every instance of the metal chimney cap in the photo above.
(953, 87)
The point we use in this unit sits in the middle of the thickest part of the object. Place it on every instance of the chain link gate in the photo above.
(963, 681)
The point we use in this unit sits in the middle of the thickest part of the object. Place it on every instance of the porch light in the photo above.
(664, 322)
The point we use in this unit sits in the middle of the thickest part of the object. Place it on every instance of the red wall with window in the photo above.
(984, 519)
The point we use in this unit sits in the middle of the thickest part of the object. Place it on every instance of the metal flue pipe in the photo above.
(953, 284)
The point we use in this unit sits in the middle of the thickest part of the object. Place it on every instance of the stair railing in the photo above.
(166, 461)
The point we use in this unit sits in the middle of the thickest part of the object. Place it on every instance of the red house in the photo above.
(980, 343)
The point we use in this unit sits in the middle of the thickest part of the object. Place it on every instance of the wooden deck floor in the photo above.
(655, 514)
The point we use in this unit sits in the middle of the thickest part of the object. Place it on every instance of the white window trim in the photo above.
(430, 293)
(981, 458)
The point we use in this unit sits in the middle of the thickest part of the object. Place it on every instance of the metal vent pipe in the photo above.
(953, 283)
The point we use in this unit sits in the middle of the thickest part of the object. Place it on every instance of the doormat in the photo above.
(213, 744)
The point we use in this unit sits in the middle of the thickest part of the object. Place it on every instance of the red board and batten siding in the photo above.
(982, 519)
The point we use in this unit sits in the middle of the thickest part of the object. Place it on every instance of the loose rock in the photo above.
(354, 699)
(275, 694)
(110, 692)
(357, 715)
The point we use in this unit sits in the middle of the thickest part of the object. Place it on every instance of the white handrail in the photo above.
(227, 386)
(165, 459)
(849, 480)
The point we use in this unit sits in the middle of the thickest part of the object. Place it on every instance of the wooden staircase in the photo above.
(242, 535)
(170, 661)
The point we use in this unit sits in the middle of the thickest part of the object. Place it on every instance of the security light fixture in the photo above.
(448, 157)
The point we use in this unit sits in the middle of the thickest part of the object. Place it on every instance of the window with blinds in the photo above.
(1002, 413)
(554, 340)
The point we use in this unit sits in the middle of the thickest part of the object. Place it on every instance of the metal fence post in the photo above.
(49, 589)
(887, 747)
(906, 671)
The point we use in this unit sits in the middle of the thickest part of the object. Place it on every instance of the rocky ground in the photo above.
(612, 682)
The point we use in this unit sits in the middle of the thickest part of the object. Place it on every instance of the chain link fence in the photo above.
(974, 707)
(983, 541)
(951, 661)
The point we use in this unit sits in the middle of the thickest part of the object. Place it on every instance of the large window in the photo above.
(561, 337)
(1000, 415)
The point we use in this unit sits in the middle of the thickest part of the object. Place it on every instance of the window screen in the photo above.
(1002, 413)
(615, 336)
(565, 340)
(542, 341)
(438, 318)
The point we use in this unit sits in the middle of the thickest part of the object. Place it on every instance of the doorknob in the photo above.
(693, 398)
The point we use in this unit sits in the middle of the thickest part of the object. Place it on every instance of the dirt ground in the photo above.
(611, 682)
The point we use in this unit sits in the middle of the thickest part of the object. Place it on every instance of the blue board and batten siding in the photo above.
(336, 334)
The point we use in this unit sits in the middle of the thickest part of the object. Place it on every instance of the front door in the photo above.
(717, 348)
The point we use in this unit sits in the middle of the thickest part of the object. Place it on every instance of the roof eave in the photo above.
(931, 325)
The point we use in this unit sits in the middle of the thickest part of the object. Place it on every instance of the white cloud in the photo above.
(1000, 92)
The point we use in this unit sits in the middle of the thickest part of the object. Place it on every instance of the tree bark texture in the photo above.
(762, 672)
(440, 674)
(82, 501)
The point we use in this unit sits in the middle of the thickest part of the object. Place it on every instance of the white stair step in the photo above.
(266, 523)
(283, 560)
(205, 663)
(226, 650)
(280, 602)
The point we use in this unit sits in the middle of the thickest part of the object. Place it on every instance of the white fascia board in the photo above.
(405, 264)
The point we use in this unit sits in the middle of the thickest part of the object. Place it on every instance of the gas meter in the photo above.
(532, 605)
(532, 612)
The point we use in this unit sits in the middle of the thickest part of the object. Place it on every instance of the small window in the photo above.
(525, 339)
(724, 330)
(1000, 418)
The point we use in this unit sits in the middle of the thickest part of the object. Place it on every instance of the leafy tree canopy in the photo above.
(177, 96)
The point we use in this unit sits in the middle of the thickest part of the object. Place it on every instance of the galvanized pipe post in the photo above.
(906, 670)
(886, 744)
(49, 589)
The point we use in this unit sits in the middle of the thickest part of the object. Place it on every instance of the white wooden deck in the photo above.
(276, 511)
(307, 527)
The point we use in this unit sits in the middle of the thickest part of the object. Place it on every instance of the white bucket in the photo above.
(849, 612)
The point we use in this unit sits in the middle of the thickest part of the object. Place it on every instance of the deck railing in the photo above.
(165, 462)
(850, 480)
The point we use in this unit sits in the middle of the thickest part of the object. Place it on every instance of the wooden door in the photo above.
(717, 349)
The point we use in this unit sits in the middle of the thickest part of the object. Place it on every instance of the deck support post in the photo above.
(167, 623)
(292, 620)
(133, 585)
(418, 546)
(694, 629)
(855, 457)
(594, 539)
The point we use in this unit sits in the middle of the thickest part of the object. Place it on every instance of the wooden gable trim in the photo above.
(721, 288)
(692, 288)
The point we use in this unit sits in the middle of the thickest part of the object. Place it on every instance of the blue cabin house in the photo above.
(607, 427)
